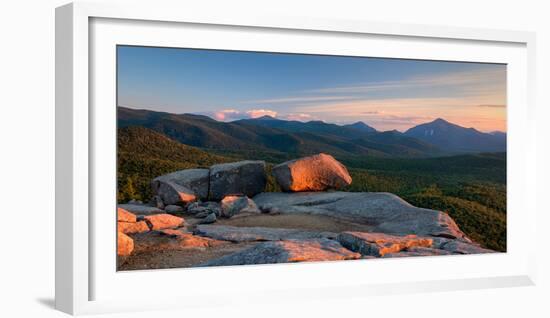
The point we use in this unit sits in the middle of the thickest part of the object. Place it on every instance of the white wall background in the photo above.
(27, 158)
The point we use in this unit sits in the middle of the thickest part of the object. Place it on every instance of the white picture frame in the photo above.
(86, 279)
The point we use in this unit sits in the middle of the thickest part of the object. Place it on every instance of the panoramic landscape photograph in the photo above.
(231, 158)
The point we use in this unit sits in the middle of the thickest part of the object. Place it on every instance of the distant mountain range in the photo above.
(270, 134)
(451, 137)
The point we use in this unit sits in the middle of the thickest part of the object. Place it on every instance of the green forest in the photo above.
(471, 188)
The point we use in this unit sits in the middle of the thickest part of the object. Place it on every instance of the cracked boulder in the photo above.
(182, 187)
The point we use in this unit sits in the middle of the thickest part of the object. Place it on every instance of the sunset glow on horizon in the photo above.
(384, 93)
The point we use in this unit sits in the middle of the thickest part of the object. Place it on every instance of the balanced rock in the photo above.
(237, 178)
(232, 205)
(163, 221)
(125, 244)
(379, 244)
(315, 173)
(382, 212)
(287, 251)
(125, 216)
(140, 209)
(181, 187)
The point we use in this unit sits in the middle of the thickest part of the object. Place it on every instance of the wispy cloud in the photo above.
(492, 105)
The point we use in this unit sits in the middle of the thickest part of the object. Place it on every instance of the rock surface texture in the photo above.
(237, 178)
(315, 173)
(383, 212)
(140, 209)
(287, 251)
(250, 234)
(125, 244)
(125, 216)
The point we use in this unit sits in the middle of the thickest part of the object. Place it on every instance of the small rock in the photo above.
(315, 173)
(232, 205)
(125, 244)
(379, 244)
(156, 201)
(132, 227)
(125, 216)
(287, 251)
(140, 209)
(173, 209)
(133, 201)
(163, 221)
(210, 218)
(237, 178)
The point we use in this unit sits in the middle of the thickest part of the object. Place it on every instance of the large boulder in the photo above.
(379, 244)
(232, 205)
(239, 234)
(181, 187)
(163, 221)
(237, 178)
(315, 173)
(381, 212)
(286, 252)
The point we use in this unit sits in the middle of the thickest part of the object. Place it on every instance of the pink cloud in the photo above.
(255, 113)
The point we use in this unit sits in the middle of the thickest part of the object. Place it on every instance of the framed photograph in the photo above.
(275, 158)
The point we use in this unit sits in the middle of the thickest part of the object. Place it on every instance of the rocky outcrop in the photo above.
(163, 221)
(237, 178)
(232, 205)
(125, 244)
(251, 234)
(189, 181)
(379, 244)
(204, 207)
(382, 212)
(286, 252)
(315, 173)
(140, 209)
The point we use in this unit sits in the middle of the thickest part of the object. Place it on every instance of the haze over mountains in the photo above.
(270, 134)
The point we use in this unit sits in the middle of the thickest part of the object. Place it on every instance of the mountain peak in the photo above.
(362, 126)
(440, 120)
(265, 117)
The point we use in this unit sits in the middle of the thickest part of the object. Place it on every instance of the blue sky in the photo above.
(384, 93)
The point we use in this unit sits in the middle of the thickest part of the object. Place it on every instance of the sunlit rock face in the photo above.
(125, 245)
(163, 221)
(172, 193)
(315, 173)
(132, 227)
(125, 216)
(287, 251)
(237, 178)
